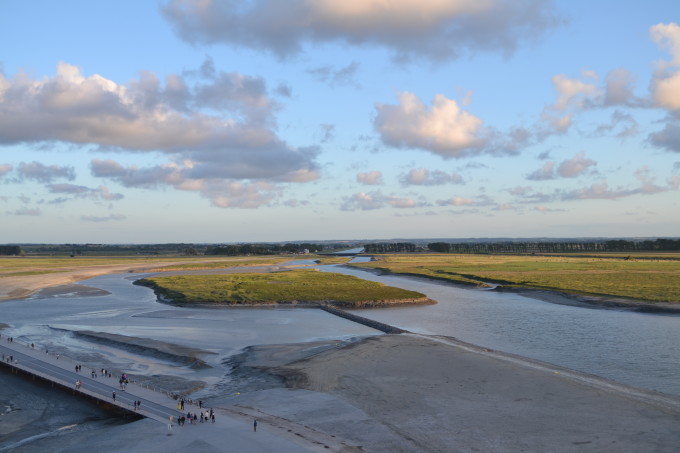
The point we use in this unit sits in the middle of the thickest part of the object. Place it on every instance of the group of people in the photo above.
(203, 417)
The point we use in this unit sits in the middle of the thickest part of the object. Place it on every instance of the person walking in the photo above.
(254, 425)
(114, 396)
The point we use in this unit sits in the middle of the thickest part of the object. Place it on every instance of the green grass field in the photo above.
(278, 287)
(652, 279)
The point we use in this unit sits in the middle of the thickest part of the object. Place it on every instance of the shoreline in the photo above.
(548, 295)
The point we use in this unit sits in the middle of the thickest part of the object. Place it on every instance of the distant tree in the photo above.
(10, 250)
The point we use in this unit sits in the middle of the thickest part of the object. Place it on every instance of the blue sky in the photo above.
(284, 120)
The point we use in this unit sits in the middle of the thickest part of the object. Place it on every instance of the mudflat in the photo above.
(438, 394)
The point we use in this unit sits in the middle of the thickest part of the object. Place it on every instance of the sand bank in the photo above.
(437, 394)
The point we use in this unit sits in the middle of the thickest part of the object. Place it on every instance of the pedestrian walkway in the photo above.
(160, 406)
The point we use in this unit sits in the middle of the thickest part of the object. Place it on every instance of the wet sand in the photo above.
(438, 394)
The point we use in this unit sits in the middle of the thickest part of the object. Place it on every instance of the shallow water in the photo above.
(49, 319)
(639, 349)
(133, 311)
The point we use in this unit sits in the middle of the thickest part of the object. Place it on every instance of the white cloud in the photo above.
(443, 129)
(432, 29)
(93, 110)
(597, 191)
(575, 166)
(363, 201)
(425, 177)
(222, 192)
(482, 200)
(45, 173)
(665, 86)
(575, 95)
(371, 178)
(375, 200)
(571, 92)
(456, 201)
(619, 89)
(547, 171)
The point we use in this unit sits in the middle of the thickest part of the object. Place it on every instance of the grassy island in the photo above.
(644, 278)
(289, 287)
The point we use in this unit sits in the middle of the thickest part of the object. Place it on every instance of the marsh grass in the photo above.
(653, 280)
(20, 266)
(278, 287)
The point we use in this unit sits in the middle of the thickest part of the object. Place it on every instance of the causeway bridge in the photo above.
(60, 371)
(232, 430)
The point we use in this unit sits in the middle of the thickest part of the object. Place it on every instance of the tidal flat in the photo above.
(298, 369)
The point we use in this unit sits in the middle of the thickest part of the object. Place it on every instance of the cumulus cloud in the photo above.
(574, 95)
(375, 200)
(45, 173)
(547, 171)
(619, 89)
(222, 192)
(668, 137)
(597, 191)
(444, 129)
(425, 177)
(219, 127)
(481, 200)
(435, 29)
(571, 92)
(371, 178)
(575, 166)
(665, 86)
(569, 168)
(623, 122)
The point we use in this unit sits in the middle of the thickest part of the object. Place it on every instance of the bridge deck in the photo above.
(61, 371)
(231, 432)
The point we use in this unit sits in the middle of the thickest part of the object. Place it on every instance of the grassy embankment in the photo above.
(299, 286)
(654, 279)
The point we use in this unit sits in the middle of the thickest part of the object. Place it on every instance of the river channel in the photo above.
(633, 348)
(638, 349)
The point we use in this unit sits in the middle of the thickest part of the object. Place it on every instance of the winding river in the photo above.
(638, 349)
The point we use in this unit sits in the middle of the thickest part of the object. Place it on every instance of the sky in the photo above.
(210, 121)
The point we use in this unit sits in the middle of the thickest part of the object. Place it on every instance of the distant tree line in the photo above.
(10, 250)
(391, 247)
(262, 249)
(618, 245)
